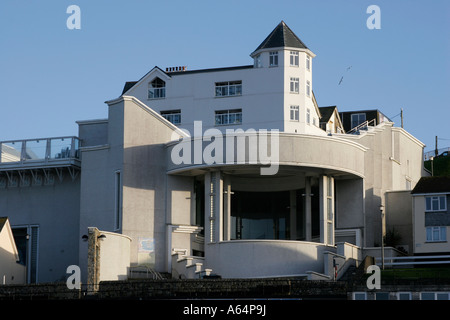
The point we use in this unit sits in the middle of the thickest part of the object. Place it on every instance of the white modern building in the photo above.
(228, 171)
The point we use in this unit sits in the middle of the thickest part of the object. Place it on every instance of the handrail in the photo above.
(415, 262)
(26, 150)
(363, 124)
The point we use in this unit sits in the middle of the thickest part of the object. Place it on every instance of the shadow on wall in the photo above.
(11, 272)
(144, 203)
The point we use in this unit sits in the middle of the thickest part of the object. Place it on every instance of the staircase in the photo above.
(188, 267)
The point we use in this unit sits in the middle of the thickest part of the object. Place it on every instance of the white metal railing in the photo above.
(362, 126)
(46, 149)
(411, 260)
(427, 155)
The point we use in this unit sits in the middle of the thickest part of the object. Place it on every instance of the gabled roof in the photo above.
(282, 36)
(2, 222)
(327, 112)
(432, 185)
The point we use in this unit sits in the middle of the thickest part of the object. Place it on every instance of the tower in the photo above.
(284, 51)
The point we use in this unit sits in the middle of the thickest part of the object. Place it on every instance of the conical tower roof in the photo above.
(282, 36)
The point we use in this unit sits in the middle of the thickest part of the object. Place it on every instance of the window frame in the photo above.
(228, 113)
(363, 294)
(228, 85)
(430, 233)
(171, 114)
(404, 293)
(308, 116)
(258, 62)
(308, 62)
(308, 88)
(294, 84)
(273, 59)
(429, 207)
(294, 110)
(118, 208)
(294, 58)
(359, 122)
(161, 90)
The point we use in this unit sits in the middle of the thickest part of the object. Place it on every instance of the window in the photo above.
(228, 88)
(273, 59)
(294, 85)
(294, 58)
(258, 63)
(436, 234)
(434, 296)
(308, 88)
(173, 116)
(228, 117)
(436, 203)
(157, 89)
(308, 116)
(118, 201)
(294, 113)
(404, 296)
(381, 295)
(357, 119)
(308, 63)
(359, 296)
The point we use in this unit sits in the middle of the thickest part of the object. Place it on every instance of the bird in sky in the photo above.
(342, 77)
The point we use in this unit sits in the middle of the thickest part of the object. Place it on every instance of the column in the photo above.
(213, 207)
(307, 215)
(293, 215)
(326, 190)
(226, 208)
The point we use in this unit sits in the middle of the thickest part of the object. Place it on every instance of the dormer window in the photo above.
(157, 89)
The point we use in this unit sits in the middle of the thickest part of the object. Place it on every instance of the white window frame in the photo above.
(173, 116)
(273, 59)
(308, 63)
(228, 117)
(258, 62)
(294, 85)
(294, 113)
(429, 206)
(228, 88)
(156, 92)
(293, 59)
(308, 116)
(436, 233)
(308, 88)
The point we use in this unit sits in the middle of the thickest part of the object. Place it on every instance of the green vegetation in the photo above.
(435, 273)
(441, 166)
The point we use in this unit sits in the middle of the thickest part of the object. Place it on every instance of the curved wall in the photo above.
(265, 258)
(283, 149)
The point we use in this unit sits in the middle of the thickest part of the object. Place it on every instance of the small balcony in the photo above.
(40, 153)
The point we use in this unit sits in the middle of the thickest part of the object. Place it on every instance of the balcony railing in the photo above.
(39, 150)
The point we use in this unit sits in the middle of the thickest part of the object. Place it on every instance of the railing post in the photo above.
(23, 151)
(48, 151)
(72, 148)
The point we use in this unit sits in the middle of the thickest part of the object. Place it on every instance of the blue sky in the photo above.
(51, 76)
